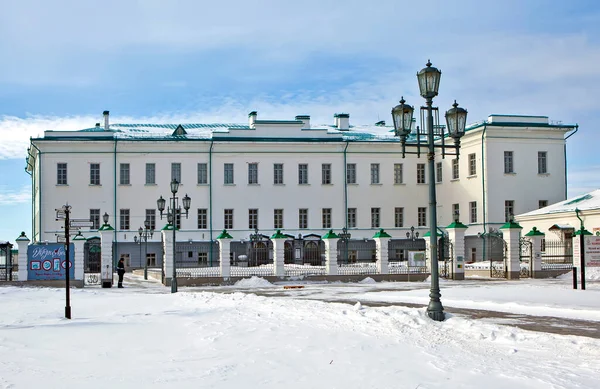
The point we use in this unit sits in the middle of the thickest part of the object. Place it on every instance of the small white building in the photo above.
(561, 220)
(290, 175)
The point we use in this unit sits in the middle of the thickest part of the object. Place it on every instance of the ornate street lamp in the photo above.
(429, 83)
(144, 234)
(105, 218)
(172, 212)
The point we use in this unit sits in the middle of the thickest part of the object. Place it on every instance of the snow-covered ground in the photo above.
(231, 337)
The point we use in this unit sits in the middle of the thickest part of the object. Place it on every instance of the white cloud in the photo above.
(12, 197)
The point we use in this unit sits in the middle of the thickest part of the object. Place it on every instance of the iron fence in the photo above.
(557, 254)
(198, 259)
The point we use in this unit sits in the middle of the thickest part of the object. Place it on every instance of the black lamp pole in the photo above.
(429, 81)
(172, 213)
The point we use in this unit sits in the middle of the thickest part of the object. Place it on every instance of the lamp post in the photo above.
(429, 82)
(144, 234)
(255, 239)
(172, 211)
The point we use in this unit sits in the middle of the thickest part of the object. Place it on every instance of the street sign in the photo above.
(61, 239)
(60, 214)
(80, 223)
(72, 228)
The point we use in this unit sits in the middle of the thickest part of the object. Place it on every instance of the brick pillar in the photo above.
(78, 241)
(22, 245)
(224, 240)
(511, 233)
(331, 266)
(456, 235)
(382, 240)
(106, 258)
(167, 239)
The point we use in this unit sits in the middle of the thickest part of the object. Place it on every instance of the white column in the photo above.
(22, 245)
(428, 252)
(456, 235)
(106, 259)
(224, 254)
(511, 233)
(278, 256)
(167, 239)
(331, 266)
(536, 255)
(382, 240)
(78, 242)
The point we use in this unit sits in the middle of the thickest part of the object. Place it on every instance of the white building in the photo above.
(290, 175)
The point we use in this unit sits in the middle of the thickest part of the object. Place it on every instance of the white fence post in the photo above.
(511, 233)
(22, 244)
(278, 240)
(79, 242)
(331, 266)
(224, 240)
(382, 240)
(167, 239)
(456, 234)
(106, 258)
(535, 237)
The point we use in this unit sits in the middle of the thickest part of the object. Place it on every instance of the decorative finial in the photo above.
(428, 64)
(402, 101)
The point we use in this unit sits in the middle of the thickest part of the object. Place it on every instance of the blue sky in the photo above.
(66, 61)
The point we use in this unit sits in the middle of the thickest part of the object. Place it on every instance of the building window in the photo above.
(202, 174)
(509, 209)
(151, 259)
(375, 217)
(278, 218)
(351, 218)
(203, 258)
(455, 211)
(228, 219)
(61, 174)
(326, 212)
(228, 174)
(438, 172)
(253, 173)
(278, 174)
(542, 203)
(398, 173)
(326, 174)
(303, 218)
(374, 173)
(252, 219)
(202, 218)
(542, 162)
(151, 217)
(124, 219)
(302, 174)
(150, 174)
(472, 165)
(422, 216)
(508, 162)
(455, 169)
(473, 211)
(473, 254)
(420, 173)
(95, 218)
(94, 174)
(398, 217)
(351, 173)
(124, 174)
(176, 171)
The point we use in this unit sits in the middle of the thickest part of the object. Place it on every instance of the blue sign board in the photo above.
(47, 261)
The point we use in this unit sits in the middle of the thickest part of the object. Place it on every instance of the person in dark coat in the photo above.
(121, 272)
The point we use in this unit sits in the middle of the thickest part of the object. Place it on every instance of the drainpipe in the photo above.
(565, 155)
(483, 192)
(210, 210)
(115, 240)
(346, 187)
(40, 196)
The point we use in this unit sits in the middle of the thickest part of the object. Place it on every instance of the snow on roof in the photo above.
(583, 202)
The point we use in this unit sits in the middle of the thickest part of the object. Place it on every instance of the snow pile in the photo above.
(253, 282)
(591, 274)
(368, 280)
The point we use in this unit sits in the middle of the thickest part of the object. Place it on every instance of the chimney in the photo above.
(342, 121)
(105, 113)
(252, 118)
(304, 119)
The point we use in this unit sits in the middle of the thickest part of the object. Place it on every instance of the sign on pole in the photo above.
(74, 223)
(60, 214)
(592, 251)
(61, 239)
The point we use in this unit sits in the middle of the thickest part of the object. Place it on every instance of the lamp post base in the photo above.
(173, 285)
(435, 311)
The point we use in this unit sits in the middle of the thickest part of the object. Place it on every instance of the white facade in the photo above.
(292, 143)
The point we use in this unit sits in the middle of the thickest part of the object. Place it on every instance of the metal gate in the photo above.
(258, 253)
(525, 257)
(313, 250)
(446, 252)
(497, 252)
(6, 261)
(92, 256)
